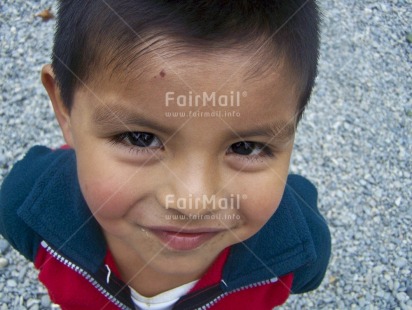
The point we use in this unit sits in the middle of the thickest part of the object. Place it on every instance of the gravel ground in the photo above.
(354, 143)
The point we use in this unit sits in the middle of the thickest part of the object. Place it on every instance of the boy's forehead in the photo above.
(189, 64)
(199, 71)
(184, 82)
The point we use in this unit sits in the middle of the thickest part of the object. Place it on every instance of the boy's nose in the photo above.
(193, 187)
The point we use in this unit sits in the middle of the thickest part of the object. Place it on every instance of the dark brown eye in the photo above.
(138, 139)
(243, 148)
(141, 139)
(250, 149)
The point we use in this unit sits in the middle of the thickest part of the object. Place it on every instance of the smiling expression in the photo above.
(171, 192)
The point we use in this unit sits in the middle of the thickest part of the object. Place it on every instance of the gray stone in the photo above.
(31, 301)
(409, 292)
(400, 262)
(3, 262)
(22, 273)
(402, 297)
(11, 283)
(45, 301)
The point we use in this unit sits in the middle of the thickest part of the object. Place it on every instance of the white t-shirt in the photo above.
(163, 301)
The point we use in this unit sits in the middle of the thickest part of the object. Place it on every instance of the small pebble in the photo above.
(45, 301)
(11, 283)
(3, 262)
(402, 297)
(22, 273)
(401, 262)
(409, 292)
(30, 302)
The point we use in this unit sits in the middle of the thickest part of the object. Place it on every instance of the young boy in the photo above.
(173, 190)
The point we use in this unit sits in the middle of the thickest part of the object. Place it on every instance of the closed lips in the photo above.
(183, 240)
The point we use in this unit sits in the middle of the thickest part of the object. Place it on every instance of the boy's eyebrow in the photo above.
(281, 131)
(117, 115)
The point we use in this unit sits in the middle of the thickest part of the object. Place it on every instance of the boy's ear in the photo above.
(60, 110)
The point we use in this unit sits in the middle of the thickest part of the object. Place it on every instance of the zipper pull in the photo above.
(224, 283)
(109, 272)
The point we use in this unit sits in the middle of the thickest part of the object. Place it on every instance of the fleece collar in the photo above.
(57, 211)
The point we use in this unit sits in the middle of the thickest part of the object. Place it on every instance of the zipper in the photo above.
(119, 304)
(218, 298)
(84, 274)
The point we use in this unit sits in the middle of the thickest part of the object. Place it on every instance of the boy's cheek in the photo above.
(261, 203)
(105, 199)
(258, 211)
(106, 187)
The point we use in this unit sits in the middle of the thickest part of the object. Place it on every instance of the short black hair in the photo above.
(101, 34)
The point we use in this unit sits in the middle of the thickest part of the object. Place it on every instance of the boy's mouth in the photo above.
(183, 240)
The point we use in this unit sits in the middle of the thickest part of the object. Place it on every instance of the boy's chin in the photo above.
(183, 264)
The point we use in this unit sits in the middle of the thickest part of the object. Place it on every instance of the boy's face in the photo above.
(169, 191)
